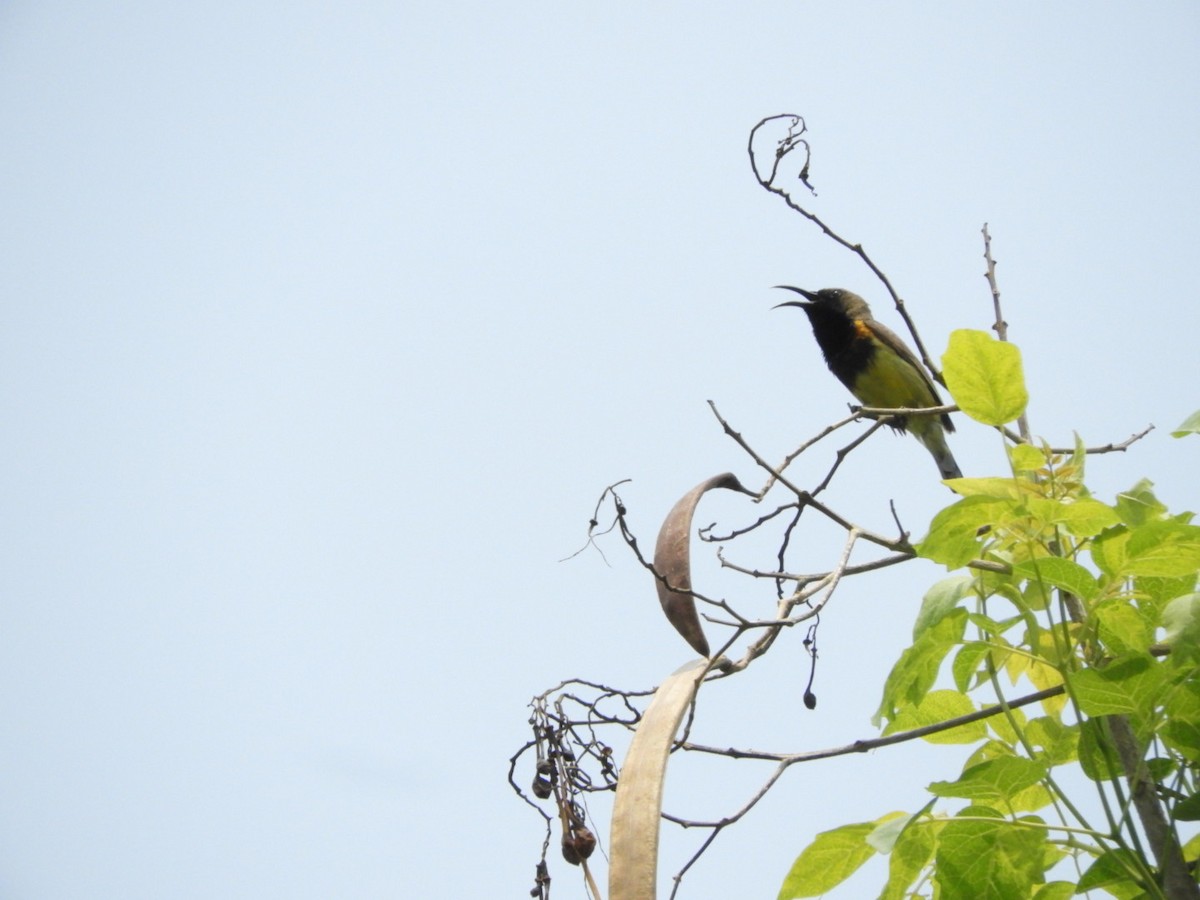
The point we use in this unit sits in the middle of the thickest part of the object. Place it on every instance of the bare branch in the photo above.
(805, 497)
(1120, 447)
(785, 606)
(1000, 326)
(786, 146)
(802, 580)
(706, 534)
(594, 523)
(787, 460)
(865, 745)
(884, 413)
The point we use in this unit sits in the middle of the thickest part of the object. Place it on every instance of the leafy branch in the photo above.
(1052, 591)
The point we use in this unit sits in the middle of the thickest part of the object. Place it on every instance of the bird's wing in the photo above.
(892, 340)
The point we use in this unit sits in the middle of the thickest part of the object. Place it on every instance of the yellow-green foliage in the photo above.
(1094, 604)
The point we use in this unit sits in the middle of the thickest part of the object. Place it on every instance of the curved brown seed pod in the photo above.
(672, 561)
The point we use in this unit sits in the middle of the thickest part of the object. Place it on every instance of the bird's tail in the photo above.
(934, 438)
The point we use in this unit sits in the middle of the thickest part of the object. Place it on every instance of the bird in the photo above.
(876, 365)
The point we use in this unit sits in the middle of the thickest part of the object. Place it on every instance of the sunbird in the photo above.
(877, 367)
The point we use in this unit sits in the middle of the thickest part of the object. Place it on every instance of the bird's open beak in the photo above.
(808, 296)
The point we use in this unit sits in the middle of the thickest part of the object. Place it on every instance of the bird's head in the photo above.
(835, 300)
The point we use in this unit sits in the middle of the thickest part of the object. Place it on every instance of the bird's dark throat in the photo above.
(846, 352)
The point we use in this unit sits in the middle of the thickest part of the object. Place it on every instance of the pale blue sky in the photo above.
(324, 325)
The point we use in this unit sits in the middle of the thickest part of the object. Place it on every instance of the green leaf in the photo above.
(1026, 458)
(993, 488)
(888, 829)
(989, 584)
(984, 376)
(1112, 872)
(988, 861)
(1123, 628)
(968, 664)
(940, 600)
(1183, 701)
(1182, 734)
(1138, 505)
(1006, 727)
(1190, 425)
(990, 626)
(993, 781)
(1166, 548)
(952, 539)
(1061, 573)
(1125, 686)
(1109, 550)
(1058, 742)
(828, 861)
(1161, 768)
(1033, 798)
(1181, 708)
(1191, 850)
(911, 852)
(1055, 890)
(1083, 517)
(1157, 591)
(917, 669)
(1188, 810)
(1086, 517)
(934, 708)
(989, 749)
(1181, 622)
(1097, 757)
(1034, 595)
(1043, 675)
